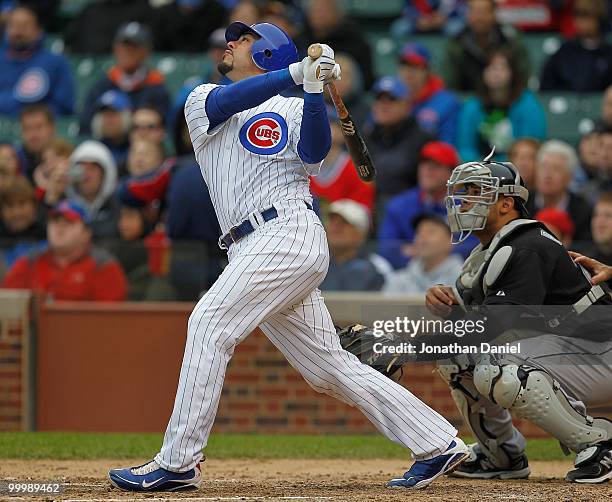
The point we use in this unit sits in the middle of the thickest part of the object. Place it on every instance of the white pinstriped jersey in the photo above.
(249, 161)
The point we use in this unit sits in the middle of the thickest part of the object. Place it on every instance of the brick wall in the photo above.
(14, 369)
(263, 393)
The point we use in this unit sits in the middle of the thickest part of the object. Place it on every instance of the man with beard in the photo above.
(29, 73)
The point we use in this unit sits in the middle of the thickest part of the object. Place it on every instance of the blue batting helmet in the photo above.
(273, 50)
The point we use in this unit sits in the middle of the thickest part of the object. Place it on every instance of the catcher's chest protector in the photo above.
(484, 266)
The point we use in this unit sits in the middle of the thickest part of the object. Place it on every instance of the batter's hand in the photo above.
(336, 74)
(317, 71)
(602, 272)
(439, 299)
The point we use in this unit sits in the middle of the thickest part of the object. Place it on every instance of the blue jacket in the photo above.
(35, 76)
(396, 229)
(438, 112)
(526, 117)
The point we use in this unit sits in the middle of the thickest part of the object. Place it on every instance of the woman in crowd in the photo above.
(502, 111)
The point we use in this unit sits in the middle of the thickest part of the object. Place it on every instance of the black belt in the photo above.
(246, 227)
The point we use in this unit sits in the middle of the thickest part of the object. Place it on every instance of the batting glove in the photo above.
(297, 71)
(317, 71)
(336, 74)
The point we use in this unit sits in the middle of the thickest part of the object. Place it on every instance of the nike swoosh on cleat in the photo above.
(148, 485)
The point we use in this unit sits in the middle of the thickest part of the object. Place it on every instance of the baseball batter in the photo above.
(256, 150)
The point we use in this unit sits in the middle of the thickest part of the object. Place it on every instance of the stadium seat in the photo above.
(569, 115)
(9, 130)
(375, 8)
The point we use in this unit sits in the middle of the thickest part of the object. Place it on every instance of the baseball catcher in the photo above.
(550, 307)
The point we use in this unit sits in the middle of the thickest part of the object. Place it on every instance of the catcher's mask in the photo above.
(474, 187)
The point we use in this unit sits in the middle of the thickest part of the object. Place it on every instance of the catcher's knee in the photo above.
(533, 394)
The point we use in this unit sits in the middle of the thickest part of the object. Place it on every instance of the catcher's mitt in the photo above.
(359, 340)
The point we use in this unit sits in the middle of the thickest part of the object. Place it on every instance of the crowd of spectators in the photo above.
(122, 212)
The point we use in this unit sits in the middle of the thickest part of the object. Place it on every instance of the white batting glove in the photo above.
(336, 74)
(297, 71)
(318, 70)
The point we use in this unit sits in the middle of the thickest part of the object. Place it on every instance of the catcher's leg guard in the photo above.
(500, 446)
(533, 394)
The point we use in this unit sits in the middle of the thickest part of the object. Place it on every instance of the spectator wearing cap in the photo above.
(37, 127)
(396, 232)
(93, 180)
(468, 53)
(326, 21)
(555, 166)
(435, 108)
(130, 75)
(70, 269)
(432, 261)
(502, 110)
(29, 73)
(111, 125)
(185, 25)
(430, 16)
(95, 25)
(394, 138)
(337, 178)
(559, 223)
(350, 269)
(583, 63)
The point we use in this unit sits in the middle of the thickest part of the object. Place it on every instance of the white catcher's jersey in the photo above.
(249, 161)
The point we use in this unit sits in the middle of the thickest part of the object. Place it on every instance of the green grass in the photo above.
(58, 445)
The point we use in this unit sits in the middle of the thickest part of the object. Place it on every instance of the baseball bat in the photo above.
(352, 137)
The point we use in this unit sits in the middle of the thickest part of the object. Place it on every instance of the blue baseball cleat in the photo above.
(150, 477)
(423, 472)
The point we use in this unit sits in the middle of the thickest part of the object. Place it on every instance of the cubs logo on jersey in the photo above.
(32, 86)
(264, 134)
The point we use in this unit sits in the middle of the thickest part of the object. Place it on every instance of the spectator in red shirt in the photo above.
(337, 178)
(70, 269)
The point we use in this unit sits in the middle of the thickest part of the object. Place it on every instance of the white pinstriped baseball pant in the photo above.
(271, 282)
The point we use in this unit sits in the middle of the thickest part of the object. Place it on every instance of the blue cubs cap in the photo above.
(273, 50)
(115, 100)
(392, 86)
(415, 54)
(71, 211)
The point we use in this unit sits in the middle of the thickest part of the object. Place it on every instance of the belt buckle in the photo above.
(233, 234)
(221, 244)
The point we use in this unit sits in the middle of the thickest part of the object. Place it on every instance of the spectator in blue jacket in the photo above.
(503, 110)
(436, 109)
(426, 16)
(131, 75)
(29, 73)
(396, 233)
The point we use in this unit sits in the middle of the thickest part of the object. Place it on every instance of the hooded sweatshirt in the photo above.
(104, 209)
